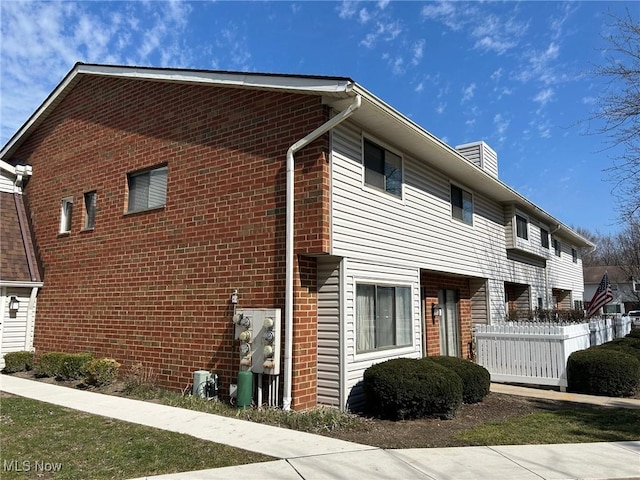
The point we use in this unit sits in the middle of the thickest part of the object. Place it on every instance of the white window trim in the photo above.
(64, 217)
(371, 188)
(518, 213)
(389, 352)
(473, 205)
(546, 229)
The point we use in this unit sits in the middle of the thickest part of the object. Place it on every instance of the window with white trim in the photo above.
(522, 226)
(66, 212)
(557, 247)
(147, 189)
(461, 204)
(90, 199)
(383, 317)
(544, 237)
(382, 169)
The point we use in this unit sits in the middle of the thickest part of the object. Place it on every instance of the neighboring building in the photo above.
(19, 274)
(156, 193)
(625, 288)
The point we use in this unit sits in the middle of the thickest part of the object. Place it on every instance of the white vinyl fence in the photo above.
(535, 353)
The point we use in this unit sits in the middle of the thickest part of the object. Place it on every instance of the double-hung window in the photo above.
(522, 227)
(382, 169)
(89, 210)
(557, 247)
(461, 205)
(147, 189)
(66, 211)
(383, 317)
(544, 238)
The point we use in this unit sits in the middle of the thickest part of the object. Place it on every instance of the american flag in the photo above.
(602, 296)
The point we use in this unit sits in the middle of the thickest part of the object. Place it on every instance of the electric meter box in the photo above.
(264, 327)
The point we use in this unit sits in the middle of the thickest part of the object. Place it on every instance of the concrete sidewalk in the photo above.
(311, 457)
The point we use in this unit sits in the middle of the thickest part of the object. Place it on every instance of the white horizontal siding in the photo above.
(6, 182)
(359, 271)
(17, 328)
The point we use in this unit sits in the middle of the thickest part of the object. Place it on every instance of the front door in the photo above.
(449, 323)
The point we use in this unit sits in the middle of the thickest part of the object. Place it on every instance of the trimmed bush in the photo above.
(603, 371)
(476, 380)
(101, 371)
(65, 366)
(628, 345)
(18, 361)
(50, 364)
(405, 388)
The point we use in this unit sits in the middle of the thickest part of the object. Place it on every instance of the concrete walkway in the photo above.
(306, 456)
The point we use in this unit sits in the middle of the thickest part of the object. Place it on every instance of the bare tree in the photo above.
(627, 253)
(619, 110)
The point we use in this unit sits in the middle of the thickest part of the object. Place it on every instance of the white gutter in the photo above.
(288, 310)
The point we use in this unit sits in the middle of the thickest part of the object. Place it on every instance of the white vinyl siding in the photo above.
(17, 328)
(363, 272)
(329, 331)
(147, 189)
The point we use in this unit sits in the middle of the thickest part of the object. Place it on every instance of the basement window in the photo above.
(147, 189)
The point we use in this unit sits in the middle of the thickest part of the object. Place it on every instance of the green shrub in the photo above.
(603, 371)
(74, 366)
(101, 371)
(405, 388)
(476, 380)
(65, 366)
(50, 364)
(18, 361)
(628, 345)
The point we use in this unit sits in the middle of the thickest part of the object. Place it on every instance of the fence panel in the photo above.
(531, 353)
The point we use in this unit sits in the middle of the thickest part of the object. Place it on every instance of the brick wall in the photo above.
(154, 287)
(431, 284)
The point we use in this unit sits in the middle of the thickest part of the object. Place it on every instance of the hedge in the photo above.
(476, 380)
(603, 371)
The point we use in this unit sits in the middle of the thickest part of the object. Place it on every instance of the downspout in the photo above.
(288, 311)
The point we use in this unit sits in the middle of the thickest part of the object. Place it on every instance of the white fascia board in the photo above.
(304, 84)
(7, 168)
(491, 186)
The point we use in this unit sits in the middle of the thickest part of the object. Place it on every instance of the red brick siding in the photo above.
(155, 286)
(431, 284)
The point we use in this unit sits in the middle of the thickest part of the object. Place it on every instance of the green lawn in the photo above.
(576, 425)
(40, 440)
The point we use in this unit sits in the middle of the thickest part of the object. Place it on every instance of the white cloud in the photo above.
(467, 92)
(501, 125)
(497, 75)
(347, 9)
(419, 87)
(441, 107)
(544, 96)
(383, 31)
(418, 52)
(363, 16)
(382, 4)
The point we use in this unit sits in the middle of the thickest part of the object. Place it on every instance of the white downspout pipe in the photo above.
(288, 310)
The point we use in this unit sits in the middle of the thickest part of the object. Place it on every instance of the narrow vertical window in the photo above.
(66, 211)
(461, 205)
(522, 227)
(574, 255)
(90, 210)
(557, 247)
(544, 237)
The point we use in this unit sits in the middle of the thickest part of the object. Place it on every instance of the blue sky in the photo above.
(514, 74)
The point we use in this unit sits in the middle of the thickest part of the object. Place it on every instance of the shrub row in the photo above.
(611, 369)
(65, 366)
(405, 388)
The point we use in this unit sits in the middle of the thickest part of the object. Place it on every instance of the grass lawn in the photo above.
(40, 440)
